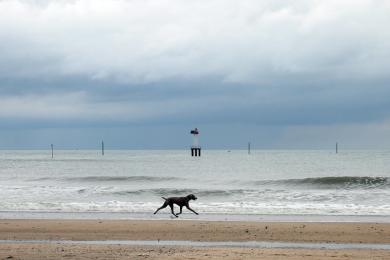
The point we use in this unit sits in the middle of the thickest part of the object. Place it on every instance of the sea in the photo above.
(128, 183)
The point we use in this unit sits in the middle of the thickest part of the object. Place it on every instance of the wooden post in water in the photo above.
(249, 148)
(337, 148)
(52, 151)
(102, 147)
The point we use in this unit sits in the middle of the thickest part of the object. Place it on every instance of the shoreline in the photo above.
(191, 239)
(191, 217)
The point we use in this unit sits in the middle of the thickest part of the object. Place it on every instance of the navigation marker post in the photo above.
(195, 148)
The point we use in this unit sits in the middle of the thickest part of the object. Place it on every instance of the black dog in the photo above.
(180, 201)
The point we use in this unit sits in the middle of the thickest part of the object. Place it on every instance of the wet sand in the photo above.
(86, 230)
(58, 251)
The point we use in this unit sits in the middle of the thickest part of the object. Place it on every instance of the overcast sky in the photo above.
(142, 73)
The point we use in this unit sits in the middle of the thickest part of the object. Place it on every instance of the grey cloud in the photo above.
(218, 61)
(146, 41)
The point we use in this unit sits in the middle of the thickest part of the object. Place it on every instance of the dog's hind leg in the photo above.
(163, 206)
(181, 210)
(171, 205)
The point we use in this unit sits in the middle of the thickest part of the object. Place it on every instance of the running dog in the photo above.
(180, 201)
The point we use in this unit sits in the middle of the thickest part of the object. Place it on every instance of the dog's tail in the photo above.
(164, 198)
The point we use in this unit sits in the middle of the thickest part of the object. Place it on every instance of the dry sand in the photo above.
(186, 230)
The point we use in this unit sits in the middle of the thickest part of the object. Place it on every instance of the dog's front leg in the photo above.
(188, 207)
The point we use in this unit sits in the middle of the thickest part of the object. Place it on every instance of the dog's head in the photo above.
(192, 197)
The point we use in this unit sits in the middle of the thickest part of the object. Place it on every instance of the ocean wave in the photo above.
(112, 179)
(122, 178)
(42, 179)
(333, 182)
(181, 192)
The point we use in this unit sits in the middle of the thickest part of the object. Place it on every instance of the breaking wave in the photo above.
(333, 182)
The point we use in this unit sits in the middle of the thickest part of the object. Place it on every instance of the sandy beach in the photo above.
(154, 230)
